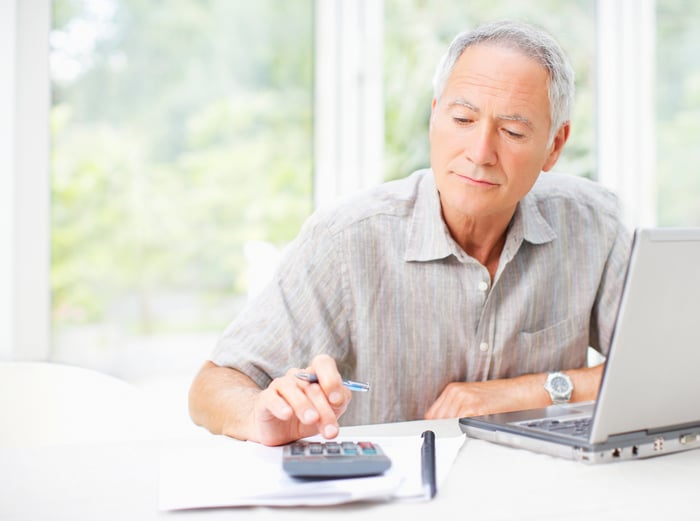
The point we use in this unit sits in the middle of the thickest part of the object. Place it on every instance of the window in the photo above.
(184, 131)
(678, 113)
(181, 159)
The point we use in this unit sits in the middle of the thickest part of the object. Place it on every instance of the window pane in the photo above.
(181, 156)
(678, 112)
(418, 33)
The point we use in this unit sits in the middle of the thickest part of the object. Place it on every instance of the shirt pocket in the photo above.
(561, 346)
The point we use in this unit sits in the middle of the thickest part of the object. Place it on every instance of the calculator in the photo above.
(330, 459)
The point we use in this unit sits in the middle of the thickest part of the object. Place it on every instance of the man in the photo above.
(453, 292)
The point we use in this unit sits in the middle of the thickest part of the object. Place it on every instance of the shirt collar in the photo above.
(429, 239)
(528, 224)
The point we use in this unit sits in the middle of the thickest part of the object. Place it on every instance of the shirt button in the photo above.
(483, 347)
(483, 285)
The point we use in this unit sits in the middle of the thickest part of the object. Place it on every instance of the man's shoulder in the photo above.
(392, 200)
(574, 192)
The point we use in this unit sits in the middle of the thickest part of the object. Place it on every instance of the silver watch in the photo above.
(559, 386)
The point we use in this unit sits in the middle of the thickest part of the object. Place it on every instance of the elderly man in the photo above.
(464, 289)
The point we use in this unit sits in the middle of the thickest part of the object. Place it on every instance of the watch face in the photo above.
(559, 385)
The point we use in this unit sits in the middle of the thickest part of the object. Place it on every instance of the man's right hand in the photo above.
(290, 408)
(226, 401)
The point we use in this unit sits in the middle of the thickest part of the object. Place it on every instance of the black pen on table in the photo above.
(427, 453)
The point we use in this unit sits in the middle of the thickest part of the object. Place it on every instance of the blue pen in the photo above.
(353, 386)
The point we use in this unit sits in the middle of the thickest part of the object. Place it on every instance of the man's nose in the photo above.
(481, 145)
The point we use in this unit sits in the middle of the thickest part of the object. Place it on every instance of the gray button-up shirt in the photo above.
(380, 285)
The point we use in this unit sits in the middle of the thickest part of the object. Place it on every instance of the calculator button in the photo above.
(349, 448)
(297, 449)
(315, 448)
(332, 448)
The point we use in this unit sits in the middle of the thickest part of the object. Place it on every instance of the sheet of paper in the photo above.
(227, 473)
(405, 456)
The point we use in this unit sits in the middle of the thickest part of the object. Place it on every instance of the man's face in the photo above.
(489, 133)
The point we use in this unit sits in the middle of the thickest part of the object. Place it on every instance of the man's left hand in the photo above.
(460, 399)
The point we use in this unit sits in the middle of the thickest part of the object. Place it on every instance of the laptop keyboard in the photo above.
(580, 427)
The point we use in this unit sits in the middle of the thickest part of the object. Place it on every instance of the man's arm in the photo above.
(460, 399)
(226, 401)
(221, 400)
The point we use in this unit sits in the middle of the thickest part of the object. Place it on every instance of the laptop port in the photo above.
(686, 439)
(659, 444)
(616, 453)
(635, 450)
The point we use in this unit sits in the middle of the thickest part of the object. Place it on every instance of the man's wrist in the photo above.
(532, 393)
(559, 386)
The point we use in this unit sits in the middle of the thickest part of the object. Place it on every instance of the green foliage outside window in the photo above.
(678, 112)
(184, 131)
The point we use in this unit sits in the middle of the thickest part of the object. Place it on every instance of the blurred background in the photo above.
(188, 140)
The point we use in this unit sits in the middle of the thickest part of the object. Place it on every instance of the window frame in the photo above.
(626, 119)
(348, 97)
(348, 130)
(25, 232)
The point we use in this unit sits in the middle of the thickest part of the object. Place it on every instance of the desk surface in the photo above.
(120, 480)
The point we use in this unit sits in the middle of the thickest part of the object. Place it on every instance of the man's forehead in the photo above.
(484, 62)
(497, 72)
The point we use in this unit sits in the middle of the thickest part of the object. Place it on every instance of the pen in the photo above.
(353, 386)
(427, 453)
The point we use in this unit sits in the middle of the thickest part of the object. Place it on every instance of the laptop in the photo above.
(648, 399)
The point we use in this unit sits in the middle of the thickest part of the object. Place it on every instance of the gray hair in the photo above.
(533, 43)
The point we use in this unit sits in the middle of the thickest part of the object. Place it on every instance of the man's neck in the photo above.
(483, 239)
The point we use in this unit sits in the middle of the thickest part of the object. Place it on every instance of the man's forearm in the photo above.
(586, 383)
(221, 400)
(509, 394)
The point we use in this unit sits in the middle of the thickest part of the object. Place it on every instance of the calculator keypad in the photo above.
(334, 459)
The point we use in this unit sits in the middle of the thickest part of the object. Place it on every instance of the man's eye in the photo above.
(513, 134)
(461, 121)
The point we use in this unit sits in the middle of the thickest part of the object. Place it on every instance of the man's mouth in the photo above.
(474, 180)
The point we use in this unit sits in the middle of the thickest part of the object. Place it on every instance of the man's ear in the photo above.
(431, 125)
(560, 139)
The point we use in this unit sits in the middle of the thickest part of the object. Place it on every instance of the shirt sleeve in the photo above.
(301, 313)
(604, 313)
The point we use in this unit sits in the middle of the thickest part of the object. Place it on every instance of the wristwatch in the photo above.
(559, 386)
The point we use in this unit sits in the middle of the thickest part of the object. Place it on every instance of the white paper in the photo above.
(405, 454)
(227, 473)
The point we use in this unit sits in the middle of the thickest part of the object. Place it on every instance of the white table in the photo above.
(119, 480)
